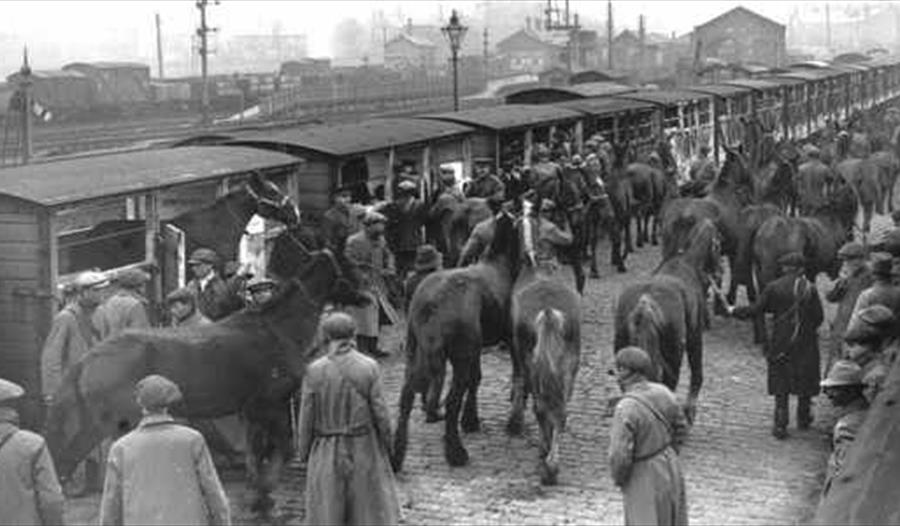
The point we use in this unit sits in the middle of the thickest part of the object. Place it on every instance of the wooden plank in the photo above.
(19, 232)
(9, 217)
(19, 251)
(19, 269)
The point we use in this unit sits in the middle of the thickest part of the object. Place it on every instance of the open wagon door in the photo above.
(172, 258)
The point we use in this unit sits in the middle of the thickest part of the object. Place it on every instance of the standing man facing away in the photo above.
(126, 308)
(162, 472)
(648, 427)
(30, 493)
(345, 434)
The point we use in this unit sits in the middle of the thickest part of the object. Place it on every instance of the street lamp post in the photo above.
(454, 31)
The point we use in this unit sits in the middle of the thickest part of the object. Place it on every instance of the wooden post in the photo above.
(497, 152)
(293, 186)
(579, 135)
(467, 158)
(425, 188)
(717, 122)
(150, 242)
(529, 136)
(389, 181)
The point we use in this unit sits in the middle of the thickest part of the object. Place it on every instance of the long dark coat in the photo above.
(792, 351)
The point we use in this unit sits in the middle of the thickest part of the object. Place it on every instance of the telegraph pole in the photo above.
(554, 23)
(609, 35)
(159, 47)
(25, 88)
(202, 32)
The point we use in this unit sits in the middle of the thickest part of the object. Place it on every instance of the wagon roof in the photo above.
(664, 97)
(359, 137)
(586, 89)
(754, 84)
(74, 180)
(508, 116)
(604, 106)
(719, 90)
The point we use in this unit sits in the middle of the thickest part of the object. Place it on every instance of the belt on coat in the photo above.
(651, 455)
(343, 432)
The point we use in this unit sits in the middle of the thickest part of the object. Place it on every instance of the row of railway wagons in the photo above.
(50, 212)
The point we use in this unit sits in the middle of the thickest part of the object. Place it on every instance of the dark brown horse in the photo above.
(751, 218)
(546, 321)
(664, 314)
(451, 222)
(621, 196)
(650, 191)
(818, 238)
(863, 175)
(888, 169)
(452, 315)
(250, 363)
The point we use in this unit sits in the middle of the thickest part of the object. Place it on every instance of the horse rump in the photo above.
(645, 325)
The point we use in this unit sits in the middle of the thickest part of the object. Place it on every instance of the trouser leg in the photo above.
(804, 412)
(781, 416)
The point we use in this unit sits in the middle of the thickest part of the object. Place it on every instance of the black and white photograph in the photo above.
(462, 262)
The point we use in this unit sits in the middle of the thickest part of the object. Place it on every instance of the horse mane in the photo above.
(549, 351)
(505, 242)
(645, 325)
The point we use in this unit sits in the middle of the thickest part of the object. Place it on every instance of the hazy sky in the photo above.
(79, 23)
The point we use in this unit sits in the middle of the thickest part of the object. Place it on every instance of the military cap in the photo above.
(792, 259)
(852, 250)
(843, 372)
(91, 280)
(10, 390)
(372, 218)
(882, 263)
(338, 326)
(260, 282)
(427, 258)
(869, 323)
(635, 359)
(183, 295)
(131, 278)
(203, 255)
(156, 392)
(407, 186)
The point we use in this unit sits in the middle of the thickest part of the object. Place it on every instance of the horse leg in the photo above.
(268, 432)
(516, 422)
(470, 421)
(454, 451)
(549, 449)
(407, 397)
(629, 247)
(617, 259)
(433, 398)
(639, 228)
(695, 361)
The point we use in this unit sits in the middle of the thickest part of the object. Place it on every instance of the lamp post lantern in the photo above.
(455, 32)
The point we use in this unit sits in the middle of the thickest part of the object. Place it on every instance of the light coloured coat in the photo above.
(162, 473)
(373, 259)
(344, 435)
(71, 336)
(29, 490)
(123, 310)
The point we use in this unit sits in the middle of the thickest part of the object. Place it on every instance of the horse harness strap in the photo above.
(641, 400)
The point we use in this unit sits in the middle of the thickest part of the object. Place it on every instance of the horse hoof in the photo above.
(514, 426)
(549, 475)
(262, 505)
(690, 413)
(396, 464)
(594, 274)
(472, 425)
(621, 269)
(433, 416)
(456, 456)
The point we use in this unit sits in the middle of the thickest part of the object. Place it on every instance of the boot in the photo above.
(804, 412)
(779, 430)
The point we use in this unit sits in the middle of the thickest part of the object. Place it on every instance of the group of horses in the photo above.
(253, 362)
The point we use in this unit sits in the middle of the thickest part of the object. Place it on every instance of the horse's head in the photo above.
(704, 248)
(735, 174)
(271, 202)
(505, 244)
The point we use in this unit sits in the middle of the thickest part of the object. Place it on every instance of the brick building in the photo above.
(526, 51)
(406, 51)
(741, 36)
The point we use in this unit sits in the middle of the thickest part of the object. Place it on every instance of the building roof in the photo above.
(532, 35)
(737, 10)
(359, 137)
(108, 65)
(416, 41)
(605, 106)
(508, 116)
(719, 90)
(50, 74)
(754, 84)
(69, 181)
(583, 90)
(664, 97)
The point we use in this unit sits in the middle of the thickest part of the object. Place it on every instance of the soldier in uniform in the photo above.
(814, 178)
(428, 260)
(368, 250)
(792, 351)
(844, 388)
(648, 428)
(406, 216)
(546, 174)
(854, 277)
(485, 184)
(216, 297)
(339, 221)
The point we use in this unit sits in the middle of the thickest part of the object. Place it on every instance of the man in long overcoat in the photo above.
(406, 215)
(792, 351)
(844, 387)
(368, 250)
(345, 435)
(127, 307)
(30, 493)
(855, 277)
(161, 472)
(648, 427)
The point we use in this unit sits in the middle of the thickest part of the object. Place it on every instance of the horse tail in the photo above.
(549, 350)
(645, 328)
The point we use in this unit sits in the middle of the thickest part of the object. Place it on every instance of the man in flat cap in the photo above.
(216, 297)
(428, 260)
(844, 388)
(368, 250)
(340, 221)
(648, 427)
(161, 472)
(30, 493)
(406, 215)
(72, 335)
(484, 184)
(883, 291)
(183, 311)
(126, 307)
(344, 434)
(854, 277)
(872, 342)
(792, 351)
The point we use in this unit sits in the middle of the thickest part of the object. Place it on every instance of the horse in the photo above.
(451, 222)
(546, 321)
(621, 197)
(650, 191)
(775, 175)
(750, 219)
(664, 314)
(453, 313)
(864, 176)
(250, 363)
(888, 168)
(817, 237)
